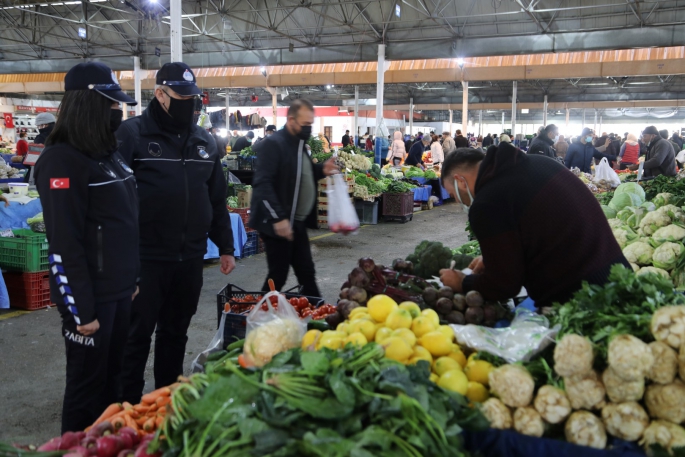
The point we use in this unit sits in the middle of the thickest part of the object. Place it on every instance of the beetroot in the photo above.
(367, 264)
(474, 298)
(357, 294)
(459, 302)
(344, 292)
(455, 317)
(358, 277)
(474, 315)
(443, 306)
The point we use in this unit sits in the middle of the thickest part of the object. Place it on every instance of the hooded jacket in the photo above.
(561, 146)
(397, 148)
(448, 145)
(580, 156)
(527, 212)
(660, 158)
(542, 145)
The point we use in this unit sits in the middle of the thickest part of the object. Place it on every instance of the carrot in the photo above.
(110, 411)
(118, 422)
(163, 401)
(130, 422)
(140, 421)
(149, 425)
(155, 394)
(162, 411)
(159, 421)
(272, 286)
(242, 361)
(141, 409)
(127, 405)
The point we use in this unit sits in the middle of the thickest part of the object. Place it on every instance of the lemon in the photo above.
(406, 335)
(433, 316)
(399, 318)
(382, 334)
(458, 356)
(436, 343)
(422, 354)
(412, 307)
(356, 339)
(335, 333)
(342, 327)
(454, 380)
(478, 371)
(359, 310)
(361, 316)
(477, 392)
(380, 306)
(310, 339)
(397, 349)
(334, 342)
(422, 325)
(447, 331)
(445, 364)
(367, 328)
(434, 378)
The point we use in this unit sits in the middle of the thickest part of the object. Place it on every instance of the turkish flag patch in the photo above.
(59, 183)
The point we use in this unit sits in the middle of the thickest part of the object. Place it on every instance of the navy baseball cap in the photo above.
(270, 128)
(179, 77)
(98, 77)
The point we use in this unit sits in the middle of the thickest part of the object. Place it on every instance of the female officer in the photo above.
(90, 207)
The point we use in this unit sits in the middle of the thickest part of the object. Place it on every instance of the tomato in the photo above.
(307, 312)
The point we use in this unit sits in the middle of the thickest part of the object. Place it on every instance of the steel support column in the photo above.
(228, 112)
(176, 31)
(513, 111)
(594, 126)
(502, 129)
(568, 117)
(274, 106)
(544, 111)
(583, 117)
(137, 86)
(480, 123)
(380, 81)
(465, 108)
(411, 116)
(356, 116)
(450, 130)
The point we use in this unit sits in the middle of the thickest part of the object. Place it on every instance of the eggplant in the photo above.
(359, 278)
(456, 317)
(443, 306)
(367, 264)
(445, 292)
(357, 294)
(474, 298)
(459, 302)
(430, 296)
(474, 315)
(344, 293)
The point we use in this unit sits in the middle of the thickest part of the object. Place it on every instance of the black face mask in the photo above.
(181, 111)
(115, 117)
(45, 131)
(305, 132)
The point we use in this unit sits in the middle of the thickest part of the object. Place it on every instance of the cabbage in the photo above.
(662, 199)
(666, 255)
(631, 188)
(620, 201)
(636, 218)
(624, 236)
(609, 212)
(639, 253)
(670, 233)
(625, 213)
(649, 206)
(659, 271)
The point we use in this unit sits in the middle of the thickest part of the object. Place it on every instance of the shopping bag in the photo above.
(604, 171)
(342, 217)
(216, 345)
(273, 326)
(681, 156)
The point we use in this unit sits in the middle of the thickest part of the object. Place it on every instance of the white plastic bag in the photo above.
(681, 156)
(528, 334)
(604, 171)
(342, 217)
(216, 345)
(271, 329)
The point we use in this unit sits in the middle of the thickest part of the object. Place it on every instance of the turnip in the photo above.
(443, 306)
(455, 317)
(630, 358)
(357, 294)
(445, 292)
(496, 413)
(665, 365)
(585, 429)
(666, 402)
(430, 296)
(69, 440)
(474, 298)
(573, 356)
(474, 315)
(552, 404)
(620, 391)
(513, 384)
(344, 293)
(527, 421)
(585, 392)
(626, 421)
(459, 302)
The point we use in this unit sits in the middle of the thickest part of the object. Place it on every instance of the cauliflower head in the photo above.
(662, 199)
(627, 421)
(513, 384)
(635, 267)
(496, 413)
(666, 255)
(668, 325)
(624, 236)
(527, 421)
(573, 356)
(675, 213)
(615, 223)
(585, 429)
(271, 338)
(654, 221)
(665, 433)
(552, 404)
(654, 270)
(619, 390)
(666, 402)
(669, 233)
(585, 392)
(665, 365)
(630, 358)
(639, 253)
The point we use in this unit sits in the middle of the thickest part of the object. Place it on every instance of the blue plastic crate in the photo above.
(251, 246)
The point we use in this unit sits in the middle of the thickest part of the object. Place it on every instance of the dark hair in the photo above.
(550, 128)
(458, 132)
(463, 158)
(83, 122)
(22, 134)
(297, 105)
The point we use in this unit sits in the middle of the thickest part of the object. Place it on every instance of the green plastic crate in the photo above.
(27, 251)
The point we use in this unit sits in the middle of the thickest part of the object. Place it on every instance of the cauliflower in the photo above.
(496, 413)
(615, 223)
(585, 429)
(653, 270)
(681, 363)
(271, 338)
(573, 356)
(585, 392)
(672, 211)
(670, 233)
(666, 401)
(664, 433)
(626, 421)
(654, 221)
(666, 255)
(662, 199)
(635, 267)
(619, 390)
(665, 363)
(639, 253)
(552, 404)
(668, 325)
(624, 236)
(527, 421)
(513, 384)
(630, 358)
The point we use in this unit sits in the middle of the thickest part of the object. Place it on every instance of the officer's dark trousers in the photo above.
(94, 364)
(169, 293)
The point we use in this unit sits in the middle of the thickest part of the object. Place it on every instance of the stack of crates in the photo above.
(24, 261)
(322, 209)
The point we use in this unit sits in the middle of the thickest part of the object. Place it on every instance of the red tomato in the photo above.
(306, 312)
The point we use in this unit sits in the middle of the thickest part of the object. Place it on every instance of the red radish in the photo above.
(69, 440)
(52, 445)
(126, 440)
(102, 429)
(80, 435)
(126, 453)
(80, 450)
(90, 443)
(108, 446)
(133, 433)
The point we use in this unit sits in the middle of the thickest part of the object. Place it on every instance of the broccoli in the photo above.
(429, 258)
(462, 261)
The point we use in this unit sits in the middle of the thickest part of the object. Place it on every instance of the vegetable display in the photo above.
(353, 161)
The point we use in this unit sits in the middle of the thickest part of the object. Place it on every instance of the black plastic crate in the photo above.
(251, 246)
(235, 325)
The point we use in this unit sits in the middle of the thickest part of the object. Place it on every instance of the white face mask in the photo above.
(456, 191)
(556, 138)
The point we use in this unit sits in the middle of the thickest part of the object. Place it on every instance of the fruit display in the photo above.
(460, 309)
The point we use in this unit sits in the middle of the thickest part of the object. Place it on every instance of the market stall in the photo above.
(239, 239)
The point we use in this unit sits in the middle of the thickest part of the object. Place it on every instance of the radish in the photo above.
(127, 440)
(90, 443)
(79, 450)
(132, 433)
(69, 440)
(108, 446)
(52, 445)
(102, 429)
(126, 453)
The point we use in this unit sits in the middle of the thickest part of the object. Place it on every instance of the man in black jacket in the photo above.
(543, 143)
(487, 141)
(284, 191)
(460, 141)
(346, 138)
(182, 192)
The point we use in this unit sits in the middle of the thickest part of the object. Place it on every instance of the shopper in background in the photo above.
(45, 123)
(660, 157)
(182, 192)
(448, 143)
(369, 143)
(284, 199)
(528, 212)
(324, 143)
(233, 139)
(543, 144)
(270, 130)
(396, 153)
(346, 138)
(221, 142)
(580, 154)
(679, 141)
(504, 138)
(415, 156)
(487, 141)
(90, 207)
(460, 141)
(664, 134)
(22, 145)
(561, 146)
(437, 154)
(243, 142)
(630, 152)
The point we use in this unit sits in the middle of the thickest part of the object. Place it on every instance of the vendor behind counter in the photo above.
(537, 224)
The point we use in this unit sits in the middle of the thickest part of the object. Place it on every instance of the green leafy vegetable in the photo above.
(399, 187)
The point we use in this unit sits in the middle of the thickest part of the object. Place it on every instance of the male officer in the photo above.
(182, 194)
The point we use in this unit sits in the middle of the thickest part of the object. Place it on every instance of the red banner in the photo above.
(35, 109)
(9, 120)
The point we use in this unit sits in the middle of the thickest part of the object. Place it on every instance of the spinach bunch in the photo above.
(399, 187)
(326, 403)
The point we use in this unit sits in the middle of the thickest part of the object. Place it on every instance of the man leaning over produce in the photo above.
(538, 225)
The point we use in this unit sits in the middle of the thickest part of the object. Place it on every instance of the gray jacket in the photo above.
(660, 159)
(448, 145)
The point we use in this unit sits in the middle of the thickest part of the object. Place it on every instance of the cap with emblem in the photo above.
(98, 77)
(270, 128)
(179, 77)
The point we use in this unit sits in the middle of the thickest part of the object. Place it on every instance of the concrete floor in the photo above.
(32, 361)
